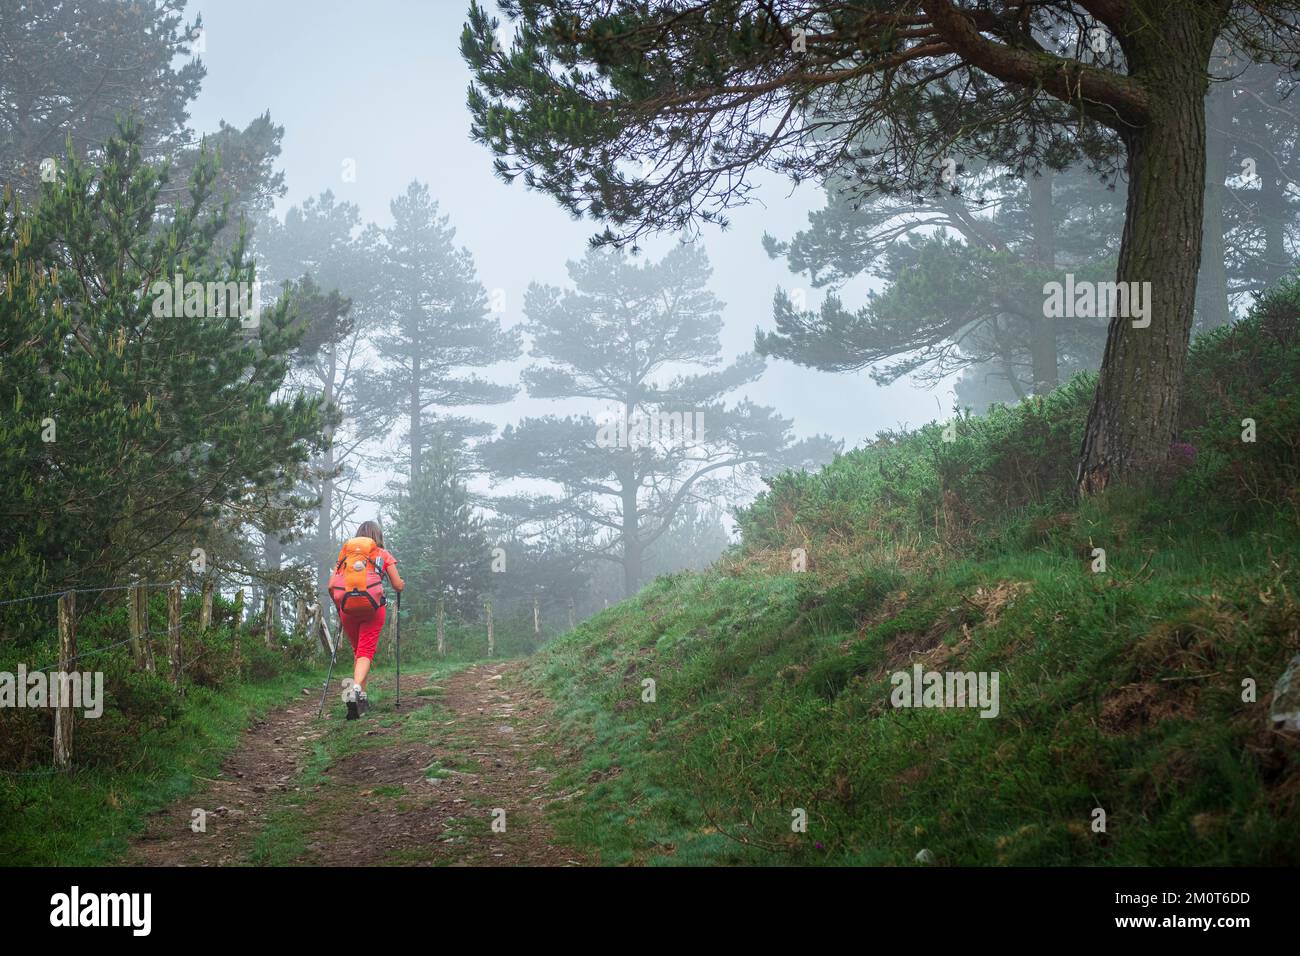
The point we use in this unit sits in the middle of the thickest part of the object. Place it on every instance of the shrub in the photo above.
(958, 488)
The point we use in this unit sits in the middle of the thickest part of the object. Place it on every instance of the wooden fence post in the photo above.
(571, 624)
(205, 610)
(537, 618)
(318, 628)
(268, 619)
(491, 643)
(146, 636)
(133, 616)
(174, 632)
(442, 634)
(67, 656)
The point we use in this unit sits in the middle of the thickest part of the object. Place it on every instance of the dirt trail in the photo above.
(419, 787)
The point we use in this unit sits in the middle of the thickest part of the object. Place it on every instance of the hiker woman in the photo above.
(357, 588)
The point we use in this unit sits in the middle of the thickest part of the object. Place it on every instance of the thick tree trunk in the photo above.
(1212, 282)
(1135, 410)
(416, 423)
(325, 552)
(631, 532)
(1043, 350)
(324, 527)
(273, 553)
(1274, 206)
(631, 565)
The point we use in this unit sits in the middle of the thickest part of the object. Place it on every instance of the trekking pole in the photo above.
(398, 705)
(334, 652)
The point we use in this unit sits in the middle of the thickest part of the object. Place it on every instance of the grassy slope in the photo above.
(1120, 690)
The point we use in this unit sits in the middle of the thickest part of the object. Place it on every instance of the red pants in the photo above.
(363, 632)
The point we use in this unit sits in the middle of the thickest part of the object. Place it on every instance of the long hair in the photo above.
(371, 529)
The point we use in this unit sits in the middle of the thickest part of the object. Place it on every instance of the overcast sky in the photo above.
(382, 84)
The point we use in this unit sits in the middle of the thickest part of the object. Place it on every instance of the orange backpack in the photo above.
(357, 585)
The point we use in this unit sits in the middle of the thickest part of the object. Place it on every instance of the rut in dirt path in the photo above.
(418, 787)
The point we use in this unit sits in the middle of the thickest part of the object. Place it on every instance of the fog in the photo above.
(697, 432)
(383, 84)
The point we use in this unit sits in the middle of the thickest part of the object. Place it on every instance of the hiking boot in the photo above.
(350, 692)
(363, 703)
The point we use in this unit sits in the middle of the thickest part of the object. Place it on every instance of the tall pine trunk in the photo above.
(417, 437)
(631, 531)
(631, 545)
(1135, 409)
(1274, 208)
(1043, 346)
(1212, 282)
(325, 515)
(273, 556)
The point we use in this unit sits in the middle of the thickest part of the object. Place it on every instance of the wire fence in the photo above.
(142, 639)
(103, 590)
(85, 654)
(310, 621)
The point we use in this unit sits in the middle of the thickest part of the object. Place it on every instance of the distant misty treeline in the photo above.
(352, 394)
(963, 268)
(629, 478)
(363, 385)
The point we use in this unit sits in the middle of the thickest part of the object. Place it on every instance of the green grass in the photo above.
(87, 817)
(1125, 691)
(772, 694)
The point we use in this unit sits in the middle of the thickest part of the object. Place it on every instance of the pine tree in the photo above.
(438, 538)
(73, 67)
(963, 271)
(246, 175)
(131, 428)
(651, 117)
(317, 245)
(431, 322)
(629, 336)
